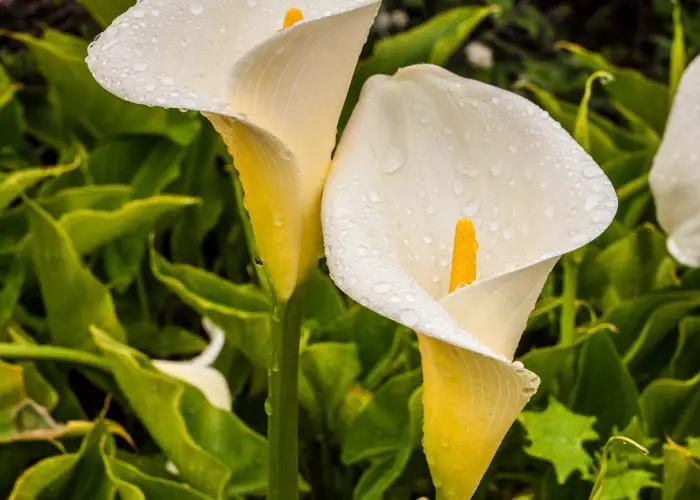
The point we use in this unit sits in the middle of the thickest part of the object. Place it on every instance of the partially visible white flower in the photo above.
(198, 371)
(479, 55)
(399, 19)
(675, 175)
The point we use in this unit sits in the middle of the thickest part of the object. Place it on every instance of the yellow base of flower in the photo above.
(470, 402)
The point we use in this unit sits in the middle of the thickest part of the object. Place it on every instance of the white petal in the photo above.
(274, 94)
(208, 380)
(197, 371)
(675, 175)
(425, 148)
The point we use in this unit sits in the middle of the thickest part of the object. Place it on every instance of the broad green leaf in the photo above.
(242, 311)
(604, 387)
(686, 359)
(11, 290)
(681, 474)
(151, 487)
(201, 177)
(81, 100)
(213, 450)
(16, 226)
(694, 446)
(626, 168)
(644, 97)
(14, 184)
(614, 274)
(661, 323)
(34, 385)
(164, 342)
(104, 11)
(91, 229)
(376, 339)
(581, 125)
(382, 474)
(380, 428)
(69, 477)
(671, 408)
(557, 436)
(65, 282)
(432, 42)
(324, 303)
(330, 368)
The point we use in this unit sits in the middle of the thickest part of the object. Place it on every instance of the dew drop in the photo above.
(471, 208)
(427, 239)
(381, 287)
(549, 212)
(140, 67)
(373, 196)
(430, 210)
(196, 8)
(166, 80)
(591, 172)
(458, 187)
(393, 160)
(497, 169)
(408, 317)
(362, 251)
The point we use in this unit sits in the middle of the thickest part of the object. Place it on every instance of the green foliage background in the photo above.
(121, 226)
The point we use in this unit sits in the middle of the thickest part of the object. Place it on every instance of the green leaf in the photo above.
(330, 368)
(92, 229)
(557, 436)
(660, 324)
(381, 475)
(212, 448)
(65, 282)
(677, 52)
(681, 474)
(686, 359)
(200, 177)
(11, 290)
(151, 487)
(324, 303)
(581, 125)
(14, 184)
(104, 11)
(242, 311)
(432, 42)
(608, 139)
(71, 476)
(164, 342)
(645, 98)
(623, 483)
(81, 100)
(613, 275)
(604, 387)
(380, 428)
(671, 407)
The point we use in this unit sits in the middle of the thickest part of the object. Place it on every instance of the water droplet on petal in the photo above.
(471, 208)
(196, 8)
(393, 160)
(381, 287)
(408, 317)
(458, 187)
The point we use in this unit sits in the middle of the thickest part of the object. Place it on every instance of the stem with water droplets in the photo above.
(282, 405)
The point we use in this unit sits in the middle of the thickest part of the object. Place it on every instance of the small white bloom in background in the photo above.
(479, 55)
(198, 371)
(399, 19)
(675, 175)
(383, 22)
(448, 203)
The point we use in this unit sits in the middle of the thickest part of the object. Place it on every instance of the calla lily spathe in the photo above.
(198, 371)
(271, 75)
(424, 149)
(675, 175)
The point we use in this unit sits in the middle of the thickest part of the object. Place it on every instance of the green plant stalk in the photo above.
(53, 353)
(567, 320)
(282, 400)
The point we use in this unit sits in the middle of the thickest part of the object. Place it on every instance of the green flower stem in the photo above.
(52, 353)
(282, 405)
(567, 320)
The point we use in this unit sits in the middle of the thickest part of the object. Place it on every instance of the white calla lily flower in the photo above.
(272, 77)
(675, 175)
(198, 371)
(426, 152)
